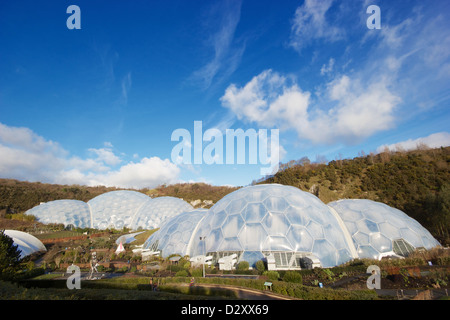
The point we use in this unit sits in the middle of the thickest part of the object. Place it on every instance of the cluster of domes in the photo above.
(290, 226)
(115, 209)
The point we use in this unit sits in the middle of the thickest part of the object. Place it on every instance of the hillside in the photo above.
(416, 182)
(19, 196)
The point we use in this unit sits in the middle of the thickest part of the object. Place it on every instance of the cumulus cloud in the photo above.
(265, 99)
(148, 172)
(349, 109)
(27, 156)
(435, 140)
(106, 155)
(404, 73)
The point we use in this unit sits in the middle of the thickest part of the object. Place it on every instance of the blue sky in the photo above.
(98, 105)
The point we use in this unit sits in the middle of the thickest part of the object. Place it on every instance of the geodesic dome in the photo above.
(25, 242)
(176, 234)
(379, 230)
(153, 213)
(116, 209)
(67, 212)
(273, 219)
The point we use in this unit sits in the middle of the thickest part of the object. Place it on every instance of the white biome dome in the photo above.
(379, 230)
(176, 234)
(67, 212)
(153, 213)
(283, 221)
(26, 243)
(116, 209)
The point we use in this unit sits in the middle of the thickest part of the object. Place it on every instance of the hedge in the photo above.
(168, 284)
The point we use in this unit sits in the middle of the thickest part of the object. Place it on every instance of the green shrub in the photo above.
(272, 275)
(292, 276)
(181, 273)
(260, 266)
(443, 261)
(242, 266)
(122, 270)
(197, 272)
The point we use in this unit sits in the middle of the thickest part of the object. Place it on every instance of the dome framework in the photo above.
(291, 229)
(288, 227)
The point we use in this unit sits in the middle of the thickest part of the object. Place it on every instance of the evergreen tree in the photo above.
(9, 256)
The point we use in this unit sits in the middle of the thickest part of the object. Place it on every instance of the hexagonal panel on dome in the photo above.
(254, 212)
(300, 239)
(252, 237)
(276, 204)
(277, 222)
(232, 225)
(67, 212)
(374, 227)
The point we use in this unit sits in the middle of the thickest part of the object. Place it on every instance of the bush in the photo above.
(181, 273)
(197, 272)
(243, 266)
(292, 276)
(260, 266)
(122, 270)
(272, 275)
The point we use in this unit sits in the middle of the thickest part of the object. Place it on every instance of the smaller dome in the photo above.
(67, 212)
(175, 235)
(379, 230)
(26, 243)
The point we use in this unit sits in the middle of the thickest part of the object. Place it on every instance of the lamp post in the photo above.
(204, 253)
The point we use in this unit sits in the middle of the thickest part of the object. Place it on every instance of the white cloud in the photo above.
(225, 15)
(327, 68)
(106, 155)
(435, 140)
(349, 110)
(268, 100)
(24, 138)
(126, 86)
(146, 173)
(310, 23)
(28, 156)
(361, 110)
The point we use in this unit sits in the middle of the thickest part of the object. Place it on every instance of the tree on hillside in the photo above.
(9, 256)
